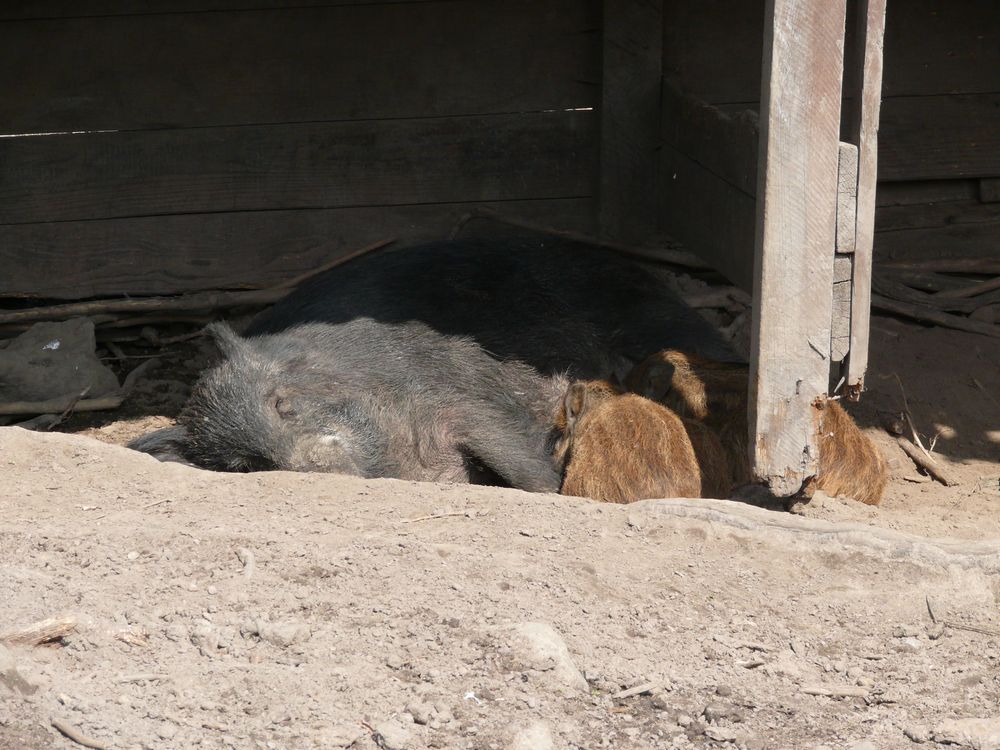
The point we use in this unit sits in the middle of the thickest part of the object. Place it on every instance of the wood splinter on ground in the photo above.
(76, 735)
(836, 691)
(37, 633)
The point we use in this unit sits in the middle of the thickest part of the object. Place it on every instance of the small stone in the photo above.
(212, 590)
(133, 555)
(660, 703)
(720, 734)
(394, 735)
(715, 711)
(541, 648)
(980, 734)
(917, 734)
(282, 633)
(903, 631)
(537, 736)
(724, 691)
(166, 731)
(340, 735)
(694, 729)
(422, 713)
(683, 720)
(908, 645)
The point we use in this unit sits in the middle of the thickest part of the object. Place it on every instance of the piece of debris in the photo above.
(37, 633)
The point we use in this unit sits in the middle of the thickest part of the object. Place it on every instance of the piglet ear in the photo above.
(574, 402)
(229, 342)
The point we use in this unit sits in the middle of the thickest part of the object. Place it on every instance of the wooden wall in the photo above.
(152, 147)
(939, 137)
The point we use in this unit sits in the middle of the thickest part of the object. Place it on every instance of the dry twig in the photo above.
(37, 633)
(76, 735)
(930, 315)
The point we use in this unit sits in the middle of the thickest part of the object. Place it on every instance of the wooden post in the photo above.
(865, 74)
(630, 118)
(795, 235)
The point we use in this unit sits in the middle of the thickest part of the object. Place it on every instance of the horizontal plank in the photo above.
(708, 215)
(305, 64)
(978, 240)
(323, 165)
(725, 143)
(939, 137)
(934, 137)
(930, 47)
(173, 254)
(925, 191)
(932, 215)
(20, 10)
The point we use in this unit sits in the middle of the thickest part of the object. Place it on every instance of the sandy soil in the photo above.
(312, 611)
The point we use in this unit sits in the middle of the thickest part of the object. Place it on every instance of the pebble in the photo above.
(683, 720)
(720, 734)
(979, 734)
(695, 729)
(212, 590)
(167, 731)
(715, 711)
(394, 735)
(904, 631)
(340, 735)
(541, 647)
(908, 645)
(917, 734)
(723, 691)
(132, 556)
(422, 713)
(537, 736)
(283, 633)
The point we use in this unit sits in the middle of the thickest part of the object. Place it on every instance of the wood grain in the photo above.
(708, 215)
(795, 236)
(320, 165)
(865, 73)
(187, 253)
(297, 64)
(630, 118)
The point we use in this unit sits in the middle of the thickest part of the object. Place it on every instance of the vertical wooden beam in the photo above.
(630, 118)
(865, 74)
(795, 235)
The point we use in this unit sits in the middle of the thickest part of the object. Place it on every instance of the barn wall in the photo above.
(169, 146)
(939, 137)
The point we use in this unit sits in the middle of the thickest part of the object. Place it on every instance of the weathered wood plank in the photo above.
(939, 137)
(47, 9)
(972, 240)
(299, 64)
(323, 165)
(630, 118)
(840, 331)
(862, 129)
(708, 215)
(931, 47)
(934, 215)
(928, 192)
(725, 143)
(989, 190)
(186, 253)
(847, 197)
(795, 236)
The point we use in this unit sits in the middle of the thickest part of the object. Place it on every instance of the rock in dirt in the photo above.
(917, 734)
(283, 633)
(51, 360)
(976, 734)
(394, 735)
(537, 736)
(720, 734)
(339, 735)
(422, 713)
(541, 648)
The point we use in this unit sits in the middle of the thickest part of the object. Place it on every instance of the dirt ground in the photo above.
(285, 610)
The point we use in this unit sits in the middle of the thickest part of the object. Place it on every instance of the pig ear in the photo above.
(574, 402)
(659, 381)
(228, 341)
